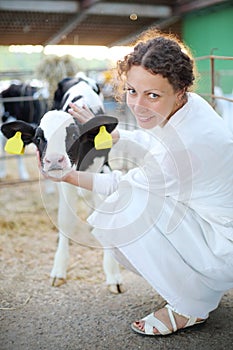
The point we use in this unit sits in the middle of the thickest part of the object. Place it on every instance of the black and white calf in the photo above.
(64, 143)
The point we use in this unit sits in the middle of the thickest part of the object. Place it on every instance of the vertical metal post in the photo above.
(212, 75)
(212, 80)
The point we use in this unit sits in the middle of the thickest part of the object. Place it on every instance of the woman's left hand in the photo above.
(83, 114)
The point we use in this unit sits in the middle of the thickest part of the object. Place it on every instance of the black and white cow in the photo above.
(21, 101)
(30, 110)
(64, 143)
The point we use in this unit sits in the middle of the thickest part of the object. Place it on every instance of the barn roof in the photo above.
(89, 22)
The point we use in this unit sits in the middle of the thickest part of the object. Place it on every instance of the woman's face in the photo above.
(150, 97)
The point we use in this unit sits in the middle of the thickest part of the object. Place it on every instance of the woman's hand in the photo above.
(60, 177)
(83, 114)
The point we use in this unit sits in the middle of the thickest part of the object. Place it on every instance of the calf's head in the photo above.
(62, 142)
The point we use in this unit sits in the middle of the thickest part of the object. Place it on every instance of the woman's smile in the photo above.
(144, 119)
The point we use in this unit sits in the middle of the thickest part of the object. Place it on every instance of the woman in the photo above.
(170, 220)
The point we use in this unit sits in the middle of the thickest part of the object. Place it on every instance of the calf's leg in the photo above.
(66, 225)
(23, 173)
(112, 272)
(3, 160)
(67, 220)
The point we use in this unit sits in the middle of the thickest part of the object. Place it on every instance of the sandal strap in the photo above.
(190, 322)
(171, 316)
(151, 321)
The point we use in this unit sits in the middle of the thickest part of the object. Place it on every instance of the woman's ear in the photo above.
(181, 97)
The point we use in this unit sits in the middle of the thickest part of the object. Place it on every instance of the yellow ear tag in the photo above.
(103, 139)
(15, 144)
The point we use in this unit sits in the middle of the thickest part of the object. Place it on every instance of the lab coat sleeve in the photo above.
(105, 184)
(136, 143)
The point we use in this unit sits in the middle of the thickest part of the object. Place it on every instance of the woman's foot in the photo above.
(164, 321)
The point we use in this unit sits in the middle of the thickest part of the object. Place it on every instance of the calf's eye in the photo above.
(74, 136)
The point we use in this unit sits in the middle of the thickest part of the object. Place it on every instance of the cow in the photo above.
(21, 101)
(63, 143)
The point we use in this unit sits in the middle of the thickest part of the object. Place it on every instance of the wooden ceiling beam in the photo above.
(58, 6)
(123, 9)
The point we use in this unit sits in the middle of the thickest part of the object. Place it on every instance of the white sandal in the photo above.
(151, 321)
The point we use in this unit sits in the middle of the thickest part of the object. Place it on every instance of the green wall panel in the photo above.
(210, 32)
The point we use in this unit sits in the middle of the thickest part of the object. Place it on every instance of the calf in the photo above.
(63, 143)
(21, 101)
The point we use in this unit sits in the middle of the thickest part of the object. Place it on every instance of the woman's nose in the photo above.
(139, 107)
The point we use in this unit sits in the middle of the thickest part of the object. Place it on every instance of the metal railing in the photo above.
(212, 59)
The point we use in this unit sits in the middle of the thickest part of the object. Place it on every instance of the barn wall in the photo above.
(207, 32)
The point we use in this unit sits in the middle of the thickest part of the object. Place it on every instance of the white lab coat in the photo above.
(171, 220)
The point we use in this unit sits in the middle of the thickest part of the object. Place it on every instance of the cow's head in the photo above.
(79, 90)
(62, 141)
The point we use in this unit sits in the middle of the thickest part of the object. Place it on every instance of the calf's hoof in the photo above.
(57, 282)
(116, 288)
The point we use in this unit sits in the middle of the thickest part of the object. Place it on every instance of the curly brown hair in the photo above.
(163, 54)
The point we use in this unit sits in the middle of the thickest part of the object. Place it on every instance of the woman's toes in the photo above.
(155, 330)
(139, 325)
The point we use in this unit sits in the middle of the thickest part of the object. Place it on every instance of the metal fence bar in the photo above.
(18, 182)
(226, 58)
(212, 59)
(22, 98)
(14, 156)
(218, 97)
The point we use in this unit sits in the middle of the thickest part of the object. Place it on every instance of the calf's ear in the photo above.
(26, 129)
(91, 128)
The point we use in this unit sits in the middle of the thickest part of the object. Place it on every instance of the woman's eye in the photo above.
(153, 95)
(131, 91)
